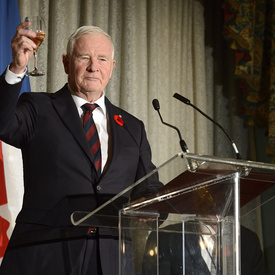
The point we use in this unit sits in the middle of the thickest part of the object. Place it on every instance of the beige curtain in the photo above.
(159, 49)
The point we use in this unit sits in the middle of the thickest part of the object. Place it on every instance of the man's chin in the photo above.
(91, 89)
(95, 93)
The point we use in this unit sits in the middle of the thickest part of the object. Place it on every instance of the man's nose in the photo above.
(93, 66)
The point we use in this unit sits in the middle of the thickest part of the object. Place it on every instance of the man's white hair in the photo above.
(84, 30)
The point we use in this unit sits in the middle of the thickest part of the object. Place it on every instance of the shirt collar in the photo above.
(79, 101)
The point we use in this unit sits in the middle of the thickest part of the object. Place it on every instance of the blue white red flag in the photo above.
(11, 182)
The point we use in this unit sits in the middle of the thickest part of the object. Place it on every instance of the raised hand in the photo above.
(22, 48)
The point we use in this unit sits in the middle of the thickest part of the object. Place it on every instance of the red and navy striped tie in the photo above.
(91, 134)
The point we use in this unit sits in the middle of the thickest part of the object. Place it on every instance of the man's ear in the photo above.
(113, 65)
(65, 60)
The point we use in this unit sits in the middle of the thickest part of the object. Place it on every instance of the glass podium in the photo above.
(193, 224)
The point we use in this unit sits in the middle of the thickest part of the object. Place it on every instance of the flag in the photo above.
(11, 170)
(4, 223)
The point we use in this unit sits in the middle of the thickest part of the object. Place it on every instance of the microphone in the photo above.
(187, 102)
(183, 145)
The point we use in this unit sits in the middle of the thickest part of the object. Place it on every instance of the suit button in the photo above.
(98, 188)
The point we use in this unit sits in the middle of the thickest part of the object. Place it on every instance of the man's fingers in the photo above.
(22, 47)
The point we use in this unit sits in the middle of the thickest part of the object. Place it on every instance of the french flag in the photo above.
(11, 170)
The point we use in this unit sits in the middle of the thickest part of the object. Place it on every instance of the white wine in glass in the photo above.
(38, 26)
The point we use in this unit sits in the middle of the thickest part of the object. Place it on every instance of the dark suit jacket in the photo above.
(59, 176)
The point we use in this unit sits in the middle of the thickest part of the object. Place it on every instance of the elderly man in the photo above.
(78, 151)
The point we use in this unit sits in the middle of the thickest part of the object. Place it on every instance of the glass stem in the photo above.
(35, 59)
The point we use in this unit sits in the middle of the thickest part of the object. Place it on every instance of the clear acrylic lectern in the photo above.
(192, 224)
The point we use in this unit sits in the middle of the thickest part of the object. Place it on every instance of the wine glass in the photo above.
(38, 26)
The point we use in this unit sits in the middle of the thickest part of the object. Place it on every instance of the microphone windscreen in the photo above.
(156, 104)
(182, 98)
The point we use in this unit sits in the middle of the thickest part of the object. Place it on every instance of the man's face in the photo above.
(90, 66)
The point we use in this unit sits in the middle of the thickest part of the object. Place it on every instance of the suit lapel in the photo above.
(65, 107)
(114, 129)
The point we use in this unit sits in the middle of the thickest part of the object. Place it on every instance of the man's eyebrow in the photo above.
(99, 55)
(103, 55)
(81, 54)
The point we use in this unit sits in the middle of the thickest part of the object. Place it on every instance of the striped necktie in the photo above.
(91, 134)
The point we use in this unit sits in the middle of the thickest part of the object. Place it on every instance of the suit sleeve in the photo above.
(15, 114)
(8, 100)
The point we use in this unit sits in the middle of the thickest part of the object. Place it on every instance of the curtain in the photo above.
(223, 95)
(159, 50)
(250, 26)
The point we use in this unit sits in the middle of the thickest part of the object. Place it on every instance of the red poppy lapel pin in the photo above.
(119, 120)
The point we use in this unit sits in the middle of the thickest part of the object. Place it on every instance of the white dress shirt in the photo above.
(13, 78)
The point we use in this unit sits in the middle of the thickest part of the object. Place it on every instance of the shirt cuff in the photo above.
(12, 78)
